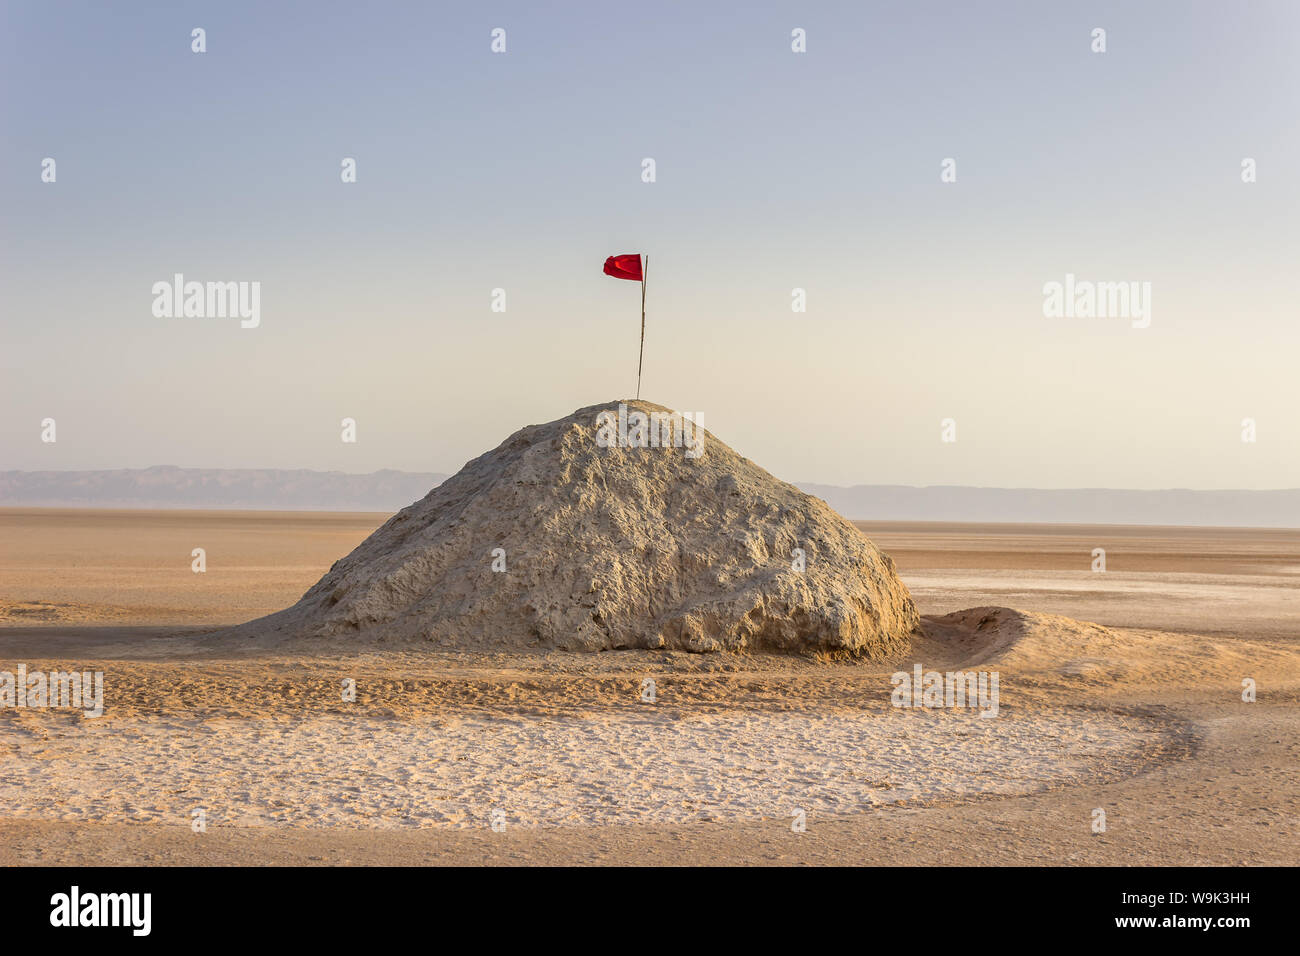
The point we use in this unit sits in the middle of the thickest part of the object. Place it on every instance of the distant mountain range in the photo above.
(303, 490)
(1175, 506)
(262, 489)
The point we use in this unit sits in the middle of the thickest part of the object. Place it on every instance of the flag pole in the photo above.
(645, 271)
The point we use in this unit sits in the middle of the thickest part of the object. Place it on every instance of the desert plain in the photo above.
(1120, 703)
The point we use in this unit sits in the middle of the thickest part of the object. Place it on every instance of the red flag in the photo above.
(624, 267)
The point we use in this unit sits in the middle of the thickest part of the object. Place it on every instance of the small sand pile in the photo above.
(554, 539)
(1005, 635)
(1032, 642)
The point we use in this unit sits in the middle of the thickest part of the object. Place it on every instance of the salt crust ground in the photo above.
(555, 739)
(641, 767)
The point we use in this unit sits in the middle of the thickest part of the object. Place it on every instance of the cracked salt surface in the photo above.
(606, 769)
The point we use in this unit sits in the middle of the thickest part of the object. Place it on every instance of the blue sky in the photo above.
(775, 170)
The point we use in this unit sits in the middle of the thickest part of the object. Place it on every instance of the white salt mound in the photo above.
(608, 547)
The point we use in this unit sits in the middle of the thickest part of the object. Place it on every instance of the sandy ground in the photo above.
(1141, 718)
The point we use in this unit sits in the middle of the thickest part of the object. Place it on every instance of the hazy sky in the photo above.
(775, 170)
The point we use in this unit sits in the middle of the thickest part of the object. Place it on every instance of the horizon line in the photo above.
(449, 474)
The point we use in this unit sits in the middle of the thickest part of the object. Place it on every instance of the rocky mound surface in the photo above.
(619, 526)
